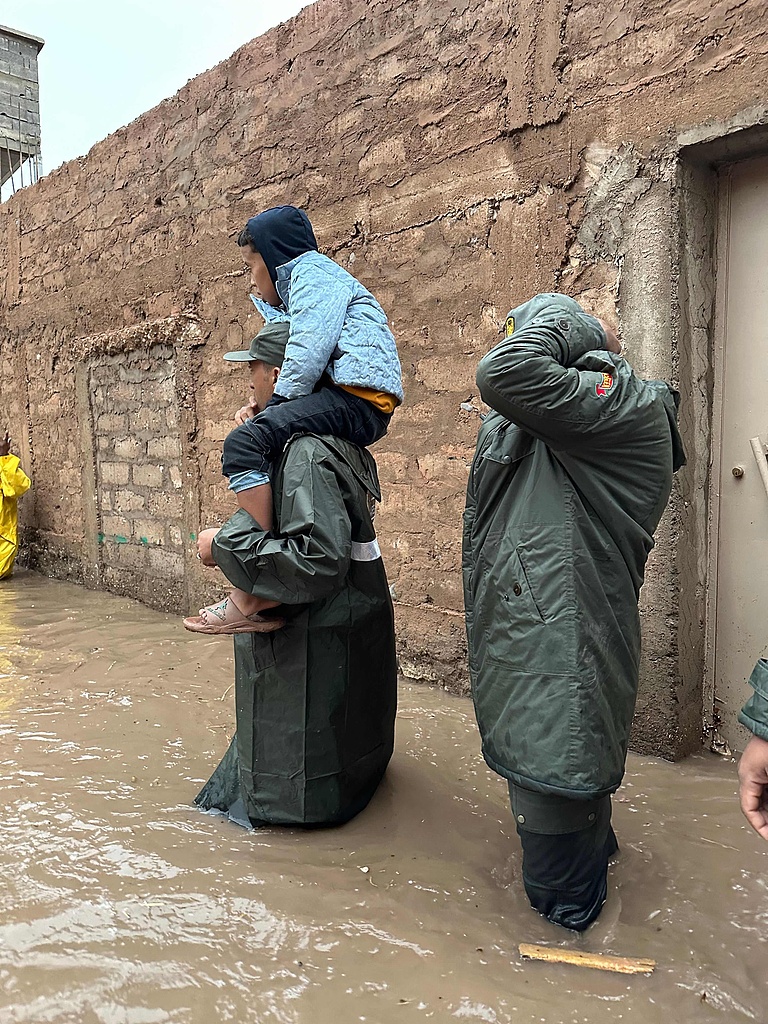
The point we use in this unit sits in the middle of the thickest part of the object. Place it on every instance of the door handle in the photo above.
(761, 458)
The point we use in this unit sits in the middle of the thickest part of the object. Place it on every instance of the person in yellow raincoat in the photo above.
(13, 483)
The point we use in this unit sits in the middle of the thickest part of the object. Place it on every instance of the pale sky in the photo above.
(105, 63)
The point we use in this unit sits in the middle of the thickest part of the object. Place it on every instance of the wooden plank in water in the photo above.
(600, 961)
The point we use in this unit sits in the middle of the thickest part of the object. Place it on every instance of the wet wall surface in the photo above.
(123, 904)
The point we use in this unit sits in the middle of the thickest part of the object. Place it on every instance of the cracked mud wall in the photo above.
(457, 158)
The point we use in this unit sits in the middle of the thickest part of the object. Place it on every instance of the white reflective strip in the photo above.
(367, 552)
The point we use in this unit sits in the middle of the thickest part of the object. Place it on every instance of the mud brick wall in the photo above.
(457, 157)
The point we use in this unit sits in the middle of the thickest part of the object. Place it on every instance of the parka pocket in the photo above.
(507, 445)
(522, 598)
(519, 592)
(524, 719)
(256, 651)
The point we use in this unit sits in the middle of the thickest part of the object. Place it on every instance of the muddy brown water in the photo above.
(123, 904)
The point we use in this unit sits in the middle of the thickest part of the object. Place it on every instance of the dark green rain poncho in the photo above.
(316, 700)
(572, 472)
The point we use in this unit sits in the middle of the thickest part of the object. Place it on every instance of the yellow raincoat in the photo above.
(13, 483)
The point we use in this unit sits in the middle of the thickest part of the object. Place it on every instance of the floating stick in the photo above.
(600, 961)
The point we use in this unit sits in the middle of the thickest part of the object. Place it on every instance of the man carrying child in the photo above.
(315, 701)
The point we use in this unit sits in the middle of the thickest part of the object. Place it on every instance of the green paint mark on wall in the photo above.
(101, 538)
(143, 540)
(119, 539)
(193, 536)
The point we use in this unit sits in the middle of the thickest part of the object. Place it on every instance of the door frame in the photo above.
(721, 256)
(706, 155)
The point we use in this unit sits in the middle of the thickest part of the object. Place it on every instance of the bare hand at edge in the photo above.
(247, 412)
(753, 785)
(204, 540)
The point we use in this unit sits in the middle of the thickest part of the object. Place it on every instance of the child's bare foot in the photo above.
(249, 604)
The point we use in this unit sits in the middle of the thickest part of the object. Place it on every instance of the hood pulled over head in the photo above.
(563, 315)
(559, 312)
(280, 235)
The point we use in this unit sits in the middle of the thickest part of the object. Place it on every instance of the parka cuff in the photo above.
(578, 342)
(754, 714)
(229, 545)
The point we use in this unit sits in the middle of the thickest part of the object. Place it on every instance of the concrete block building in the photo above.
(19, 108)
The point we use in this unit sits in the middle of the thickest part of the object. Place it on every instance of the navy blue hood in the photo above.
(280, 235)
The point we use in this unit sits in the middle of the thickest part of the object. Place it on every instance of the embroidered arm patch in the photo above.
(604, 385)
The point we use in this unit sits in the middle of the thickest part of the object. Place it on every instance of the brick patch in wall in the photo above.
(135, 414)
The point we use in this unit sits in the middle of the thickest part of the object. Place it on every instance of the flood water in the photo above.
(124, 904)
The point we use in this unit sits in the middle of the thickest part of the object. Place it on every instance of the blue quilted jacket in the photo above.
(337, 327)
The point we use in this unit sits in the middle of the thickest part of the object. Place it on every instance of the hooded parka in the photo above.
(315, 701)
(572, 472)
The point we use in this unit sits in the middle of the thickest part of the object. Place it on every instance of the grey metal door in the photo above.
(740, 481)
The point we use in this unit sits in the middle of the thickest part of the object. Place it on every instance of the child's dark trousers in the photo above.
(252, 447)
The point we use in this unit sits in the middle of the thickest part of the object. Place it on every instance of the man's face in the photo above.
(263, 380)
(261, 282)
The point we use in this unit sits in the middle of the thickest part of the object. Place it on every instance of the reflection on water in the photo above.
(122, 904)
(15, 655)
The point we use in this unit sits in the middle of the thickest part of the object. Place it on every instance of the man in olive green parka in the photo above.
(572, 472)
